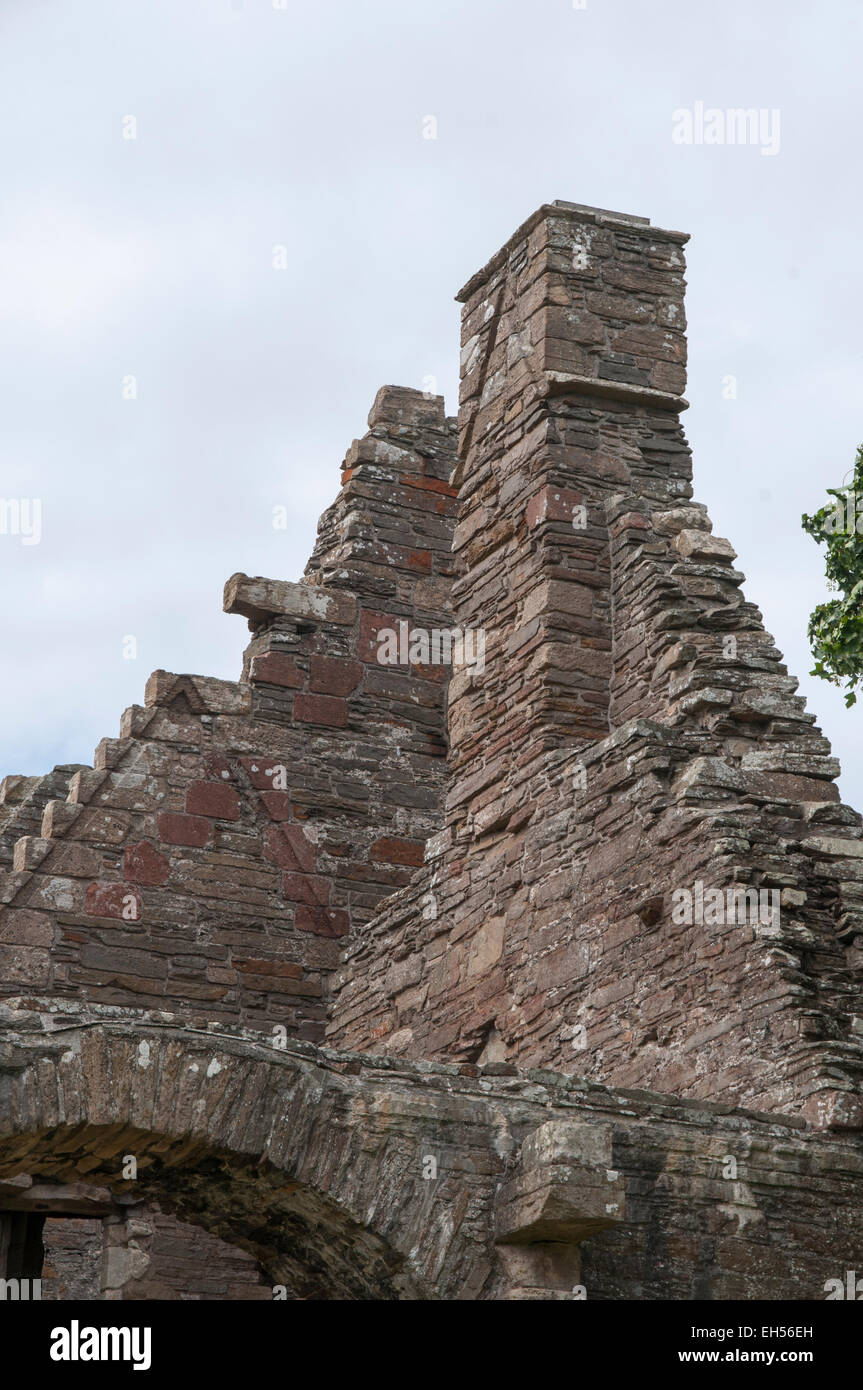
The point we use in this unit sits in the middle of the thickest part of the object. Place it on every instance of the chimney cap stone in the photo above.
(580, 212)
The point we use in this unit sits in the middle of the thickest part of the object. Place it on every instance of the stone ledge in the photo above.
(261, 599)
(568, 383)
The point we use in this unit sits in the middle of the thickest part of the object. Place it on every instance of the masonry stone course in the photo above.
(379, 967)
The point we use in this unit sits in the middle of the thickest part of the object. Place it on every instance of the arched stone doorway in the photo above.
(342, 1186)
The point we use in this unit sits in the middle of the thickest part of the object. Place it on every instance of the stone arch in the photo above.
(314, 1168)
(304, 1241)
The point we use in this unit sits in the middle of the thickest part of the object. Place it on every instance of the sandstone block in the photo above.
(261, 599)
(178, 829)
(216, 799)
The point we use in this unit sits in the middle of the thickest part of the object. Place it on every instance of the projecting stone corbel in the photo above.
(562, 1191)
(260, 600)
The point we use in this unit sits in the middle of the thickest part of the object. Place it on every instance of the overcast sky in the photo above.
(304, 127)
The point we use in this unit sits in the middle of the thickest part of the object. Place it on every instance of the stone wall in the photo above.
(362, 1176)
(73, 1258)
(149, 1254)
(218, 850)
(213, 857)
(634, 732)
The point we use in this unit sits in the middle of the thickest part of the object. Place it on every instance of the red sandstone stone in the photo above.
(112, 900)
(177, 829)
(266, 771)
(287, 846)
(370, 625)
(395, 851)
(333, 676)
(274, 668)
(214, 799)
(219, 768)
(419, 560)
(142, 863)
(321, 709)
(322, 921)
(305, 888)
(278, 804)
(428, 484)
(552, 504)
(629, 520)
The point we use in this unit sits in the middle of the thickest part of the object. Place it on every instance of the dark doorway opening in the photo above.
(22, 1252)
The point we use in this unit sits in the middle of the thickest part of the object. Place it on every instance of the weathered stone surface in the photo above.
(262, 599)
(351, 1176)
(470, 878)
(633, 735)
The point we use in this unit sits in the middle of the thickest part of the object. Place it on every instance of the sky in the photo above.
(225, 223)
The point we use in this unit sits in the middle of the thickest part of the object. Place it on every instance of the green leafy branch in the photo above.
(836, 628)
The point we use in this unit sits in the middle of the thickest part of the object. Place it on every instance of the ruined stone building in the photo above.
(376, 979)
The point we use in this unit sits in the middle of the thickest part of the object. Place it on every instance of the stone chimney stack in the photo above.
(573, 363)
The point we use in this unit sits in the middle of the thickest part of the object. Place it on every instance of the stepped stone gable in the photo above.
(418, 978)
(220, 848)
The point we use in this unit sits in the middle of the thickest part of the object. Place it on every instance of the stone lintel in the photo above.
(58, 1199)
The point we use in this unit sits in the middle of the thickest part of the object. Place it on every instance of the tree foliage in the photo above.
(836, 627)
